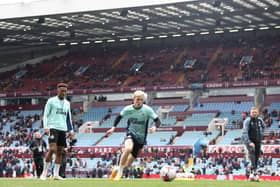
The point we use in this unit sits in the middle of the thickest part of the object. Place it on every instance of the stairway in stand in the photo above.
(180, 57)
(277, 63)
(127, 81)
(54, 71)
(214, 57)
(120, 60)
(179, 60)
(181, 79)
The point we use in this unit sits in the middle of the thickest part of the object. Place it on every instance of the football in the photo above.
(168, 173)
(253, 177)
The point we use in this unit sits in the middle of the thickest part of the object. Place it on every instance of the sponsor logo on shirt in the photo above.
(60, 111)
(52, 137)
(136, 121)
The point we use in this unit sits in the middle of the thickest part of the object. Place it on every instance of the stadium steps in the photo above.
(218, 139)
(127, 81)
(9, 85)
(119, 61)
(214, 57)
(51, 74)
(89, 104)
(181, 78)
(239, 75)
(178, 60)
(177, 137)
(179, 123)
(277, 63)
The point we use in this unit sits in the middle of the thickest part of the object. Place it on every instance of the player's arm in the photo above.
(245, 132)
(262, 129)
(44, 145)
(116, 122)
(156, 124)
(156, 121)
(47, 111)
(69, 123)
(32, 147)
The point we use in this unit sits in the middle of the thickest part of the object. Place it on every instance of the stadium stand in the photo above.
(184, 124)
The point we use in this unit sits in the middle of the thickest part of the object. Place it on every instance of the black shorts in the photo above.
(136, 146)
(58, 137)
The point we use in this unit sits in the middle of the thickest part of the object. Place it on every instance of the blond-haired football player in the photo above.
(138, 115)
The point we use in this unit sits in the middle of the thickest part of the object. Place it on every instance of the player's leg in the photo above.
(58, 159)
(116, 167)
(52, 150)
(36, 166)
(252, 157)
(130, 160)
(257, 153)
(40, 166)
(128, 146)
(63, 165)
(136, 149)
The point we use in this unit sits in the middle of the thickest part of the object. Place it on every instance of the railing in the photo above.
(150, 88)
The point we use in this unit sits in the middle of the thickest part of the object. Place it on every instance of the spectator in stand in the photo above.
(38, 147)
(2, 165)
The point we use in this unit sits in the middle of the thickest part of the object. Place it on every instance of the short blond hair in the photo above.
(255, 108)
(140, 93)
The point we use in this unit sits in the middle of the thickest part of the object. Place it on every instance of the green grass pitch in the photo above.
(130, 183)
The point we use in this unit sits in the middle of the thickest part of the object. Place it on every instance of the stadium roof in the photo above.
(180, 19)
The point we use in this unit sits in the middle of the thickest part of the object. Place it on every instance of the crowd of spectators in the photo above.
(12, 165)
(217, 61)
(206, 165)
(20, 128)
